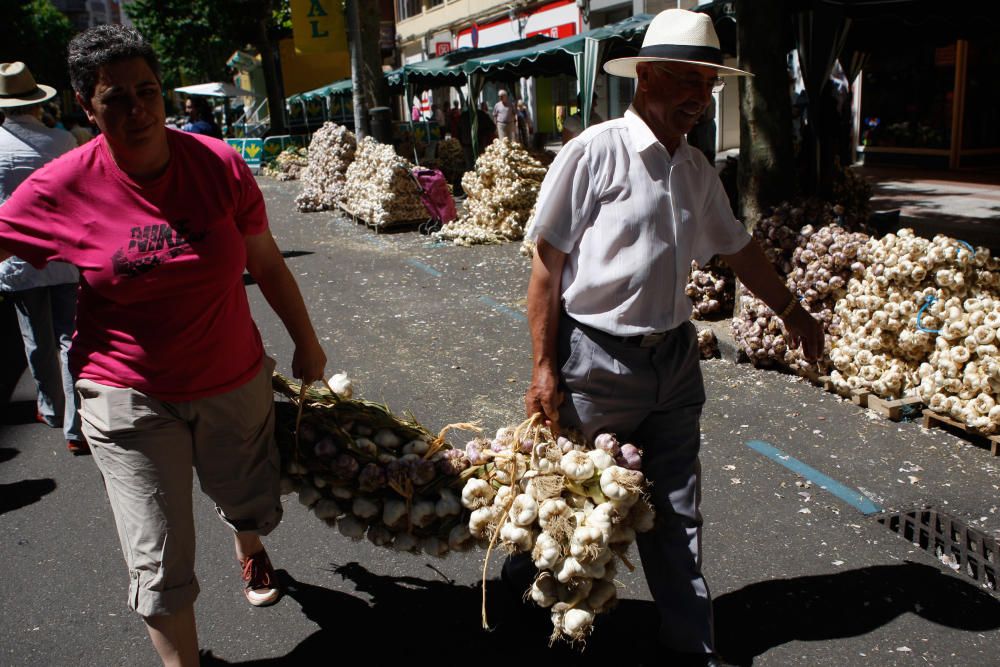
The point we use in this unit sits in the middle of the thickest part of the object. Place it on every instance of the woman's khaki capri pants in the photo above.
(146, 448)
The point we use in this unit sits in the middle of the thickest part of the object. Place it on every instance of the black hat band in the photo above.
(707, 54)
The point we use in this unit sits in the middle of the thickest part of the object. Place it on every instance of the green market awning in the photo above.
(335, 89)
(447, 70)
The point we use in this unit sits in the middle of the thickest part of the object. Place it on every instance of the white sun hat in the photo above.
(679, 36)
(18, 87)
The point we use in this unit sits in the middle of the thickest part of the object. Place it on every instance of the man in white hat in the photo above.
(623, 210)
(45, 299)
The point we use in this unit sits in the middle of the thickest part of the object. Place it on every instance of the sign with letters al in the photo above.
(318, 26)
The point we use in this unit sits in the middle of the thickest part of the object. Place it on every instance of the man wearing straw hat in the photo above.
(623, 210)
(45, 299)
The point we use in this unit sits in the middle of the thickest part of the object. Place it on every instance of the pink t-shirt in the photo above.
(162, 307)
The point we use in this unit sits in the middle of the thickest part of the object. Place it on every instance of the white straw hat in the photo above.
(679, 36)
(18, 87)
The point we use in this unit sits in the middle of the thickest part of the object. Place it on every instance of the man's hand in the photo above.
(544, 396)
(309, 363)
(805, 330)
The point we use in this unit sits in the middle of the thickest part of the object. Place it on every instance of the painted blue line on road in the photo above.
(852, 497)
(495, 305)
(423, 267)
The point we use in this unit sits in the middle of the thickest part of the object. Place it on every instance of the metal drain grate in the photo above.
(955, 544)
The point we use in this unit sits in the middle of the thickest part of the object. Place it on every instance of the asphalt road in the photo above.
(800, 575)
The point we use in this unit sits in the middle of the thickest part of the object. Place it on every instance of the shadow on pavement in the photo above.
(21, 494)
(7, 453)
(761, 616)
(414, 621)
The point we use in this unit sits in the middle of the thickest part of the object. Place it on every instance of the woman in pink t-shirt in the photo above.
(170, 366)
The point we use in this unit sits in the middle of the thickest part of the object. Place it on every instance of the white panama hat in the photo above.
(18, 87)
(679, 36)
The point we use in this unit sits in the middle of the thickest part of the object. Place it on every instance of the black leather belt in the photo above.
(642, 340)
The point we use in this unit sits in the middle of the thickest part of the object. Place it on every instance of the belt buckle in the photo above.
(653, 339)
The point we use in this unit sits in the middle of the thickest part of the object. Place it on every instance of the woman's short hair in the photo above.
(102, 45)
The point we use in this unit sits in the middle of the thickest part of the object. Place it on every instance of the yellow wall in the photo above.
(306, 72)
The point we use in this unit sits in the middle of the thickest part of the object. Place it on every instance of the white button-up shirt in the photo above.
(631, 217)
(25, 145)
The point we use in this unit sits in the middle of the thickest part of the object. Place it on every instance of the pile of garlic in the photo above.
(816, 261)
(778, 234)
(923, 319)
(380, 188)
(501, 194)
(289, 164)
(360, 468)
(711, 290)
(331, 151)
(572, 507)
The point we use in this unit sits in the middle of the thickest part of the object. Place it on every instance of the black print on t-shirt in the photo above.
(152, 245)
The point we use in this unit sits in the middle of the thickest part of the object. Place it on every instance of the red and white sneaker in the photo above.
(260, 585)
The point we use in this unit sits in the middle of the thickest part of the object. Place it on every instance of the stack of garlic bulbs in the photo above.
(380, 188)
(572, 507)
(331, 151)
(501, 193)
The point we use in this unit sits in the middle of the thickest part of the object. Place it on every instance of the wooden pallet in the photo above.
(933, 419)
(857, 396)
(394, 225)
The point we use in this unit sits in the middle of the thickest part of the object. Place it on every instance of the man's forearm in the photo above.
(543, 304)
(754, 270)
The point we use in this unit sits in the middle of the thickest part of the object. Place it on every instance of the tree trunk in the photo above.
(359, 78)
(275, 94)
(767, 172)
(370, 16)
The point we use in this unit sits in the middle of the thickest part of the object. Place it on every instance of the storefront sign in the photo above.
(556, 32)
(318, 26)
(441, 48)
(558, 19)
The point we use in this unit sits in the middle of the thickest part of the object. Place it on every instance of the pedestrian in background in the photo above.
(45, 299)
(505, 117)
(525, 128)
(171, 367)
(622, 211)
(76, 124)
(200, 120)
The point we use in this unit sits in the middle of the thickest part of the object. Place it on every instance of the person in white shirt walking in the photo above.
(505, 116)
(623, 210)
(45, 300)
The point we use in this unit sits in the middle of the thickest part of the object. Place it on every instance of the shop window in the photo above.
(408, 8)
(434, 3)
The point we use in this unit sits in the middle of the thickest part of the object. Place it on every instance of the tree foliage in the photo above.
(194, 38)
(36, 33)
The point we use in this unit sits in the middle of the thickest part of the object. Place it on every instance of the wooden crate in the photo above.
(933, 419)
(894, 409)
